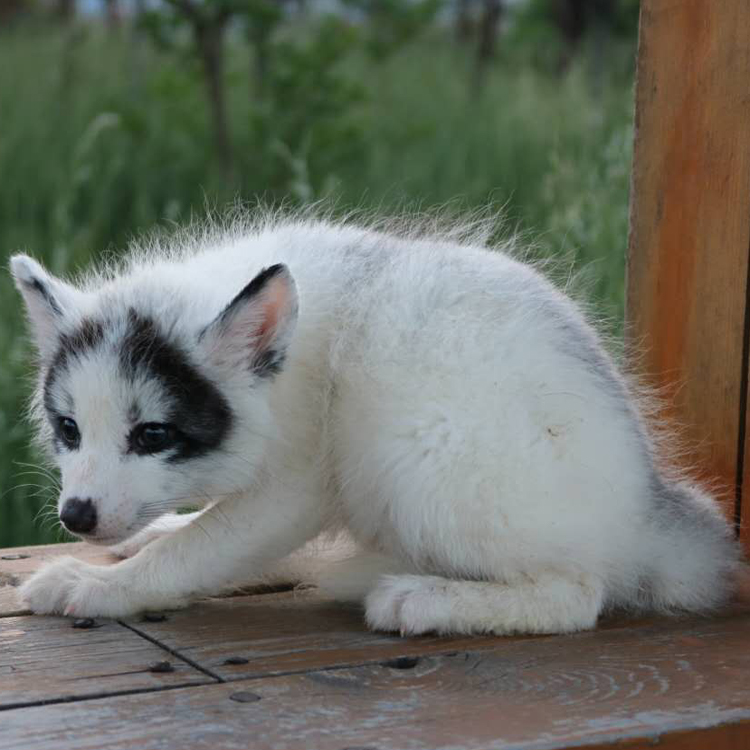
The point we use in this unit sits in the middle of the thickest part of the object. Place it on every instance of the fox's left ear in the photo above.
(255, 328)
(48, 300)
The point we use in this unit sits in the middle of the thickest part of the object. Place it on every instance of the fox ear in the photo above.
(48, 300)
(255, 328)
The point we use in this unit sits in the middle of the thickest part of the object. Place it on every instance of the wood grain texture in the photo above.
(289, 632)
(45, 658)
(674, 684)
(18, 563)
(325, 682)
(690, 222)
(718, 737)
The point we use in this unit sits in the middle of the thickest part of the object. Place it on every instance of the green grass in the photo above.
(101, 139)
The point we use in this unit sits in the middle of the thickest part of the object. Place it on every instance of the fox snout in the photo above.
(79, 516)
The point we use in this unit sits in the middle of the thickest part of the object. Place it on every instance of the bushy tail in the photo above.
(696, 558)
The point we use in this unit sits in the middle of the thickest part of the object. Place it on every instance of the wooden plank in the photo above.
(653, 684)
(10, 604)
(690, 222)
(45, 658)
(288, 632)
(18, 563)
(721, 737)
(301, 631)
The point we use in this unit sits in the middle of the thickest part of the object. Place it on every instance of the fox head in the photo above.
(148, 399)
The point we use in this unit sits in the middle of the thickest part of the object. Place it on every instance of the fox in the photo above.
(424, 399)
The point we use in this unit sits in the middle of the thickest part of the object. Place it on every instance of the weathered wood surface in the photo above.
(690, 227)
(46, 659)
(282, 633)
(593, 688)
(715, 737)
(325, 682)
(298, 631)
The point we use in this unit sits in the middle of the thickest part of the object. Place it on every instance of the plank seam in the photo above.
(98, 696)
(362, 662)
(17, 613)
(351, 665)
(195, 665)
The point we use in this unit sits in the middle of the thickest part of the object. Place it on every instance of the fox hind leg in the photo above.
(413, 604)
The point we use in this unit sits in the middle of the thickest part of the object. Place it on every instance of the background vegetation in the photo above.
(117, 118)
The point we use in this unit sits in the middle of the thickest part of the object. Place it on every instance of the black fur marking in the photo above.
(265, 363)
(268, 363)
(251, 290)
(88, 336)
(199, 413)
(42, 289)
(134, 413)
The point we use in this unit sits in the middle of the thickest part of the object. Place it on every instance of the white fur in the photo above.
(166, 524)
(442, 403)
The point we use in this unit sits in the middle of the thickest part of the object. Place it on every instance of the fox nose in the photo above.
(79, 516)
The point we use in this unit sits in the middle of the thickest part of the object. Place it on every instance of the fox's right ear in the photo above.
(255, 328)
(48, 300)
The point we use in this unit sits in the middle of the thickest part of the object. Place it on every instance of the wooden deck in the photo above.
(290, 670)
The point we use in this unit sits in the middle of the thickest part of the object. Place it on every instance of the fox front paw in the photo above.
(74, 588)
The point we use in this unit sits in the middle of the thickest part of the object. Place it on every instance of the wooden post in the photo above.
(687, 299)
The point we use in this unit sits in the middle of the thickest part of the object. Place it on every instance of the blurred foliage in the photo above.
(105, 136)
(535, 37)
(390, 24)
(298, 151)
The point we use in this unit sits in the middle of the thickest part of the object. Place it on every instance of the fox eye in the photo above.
(68, 432)
(153, 437)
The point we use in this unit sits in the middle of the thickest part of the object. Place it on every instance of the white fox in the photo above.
(441, 403)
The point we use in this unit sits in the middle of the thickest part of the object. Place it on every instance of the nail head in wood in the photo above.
(244, 697)
(86, 623)
(232, 660)
(154, 617)
(161, 667)
(401, 662)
